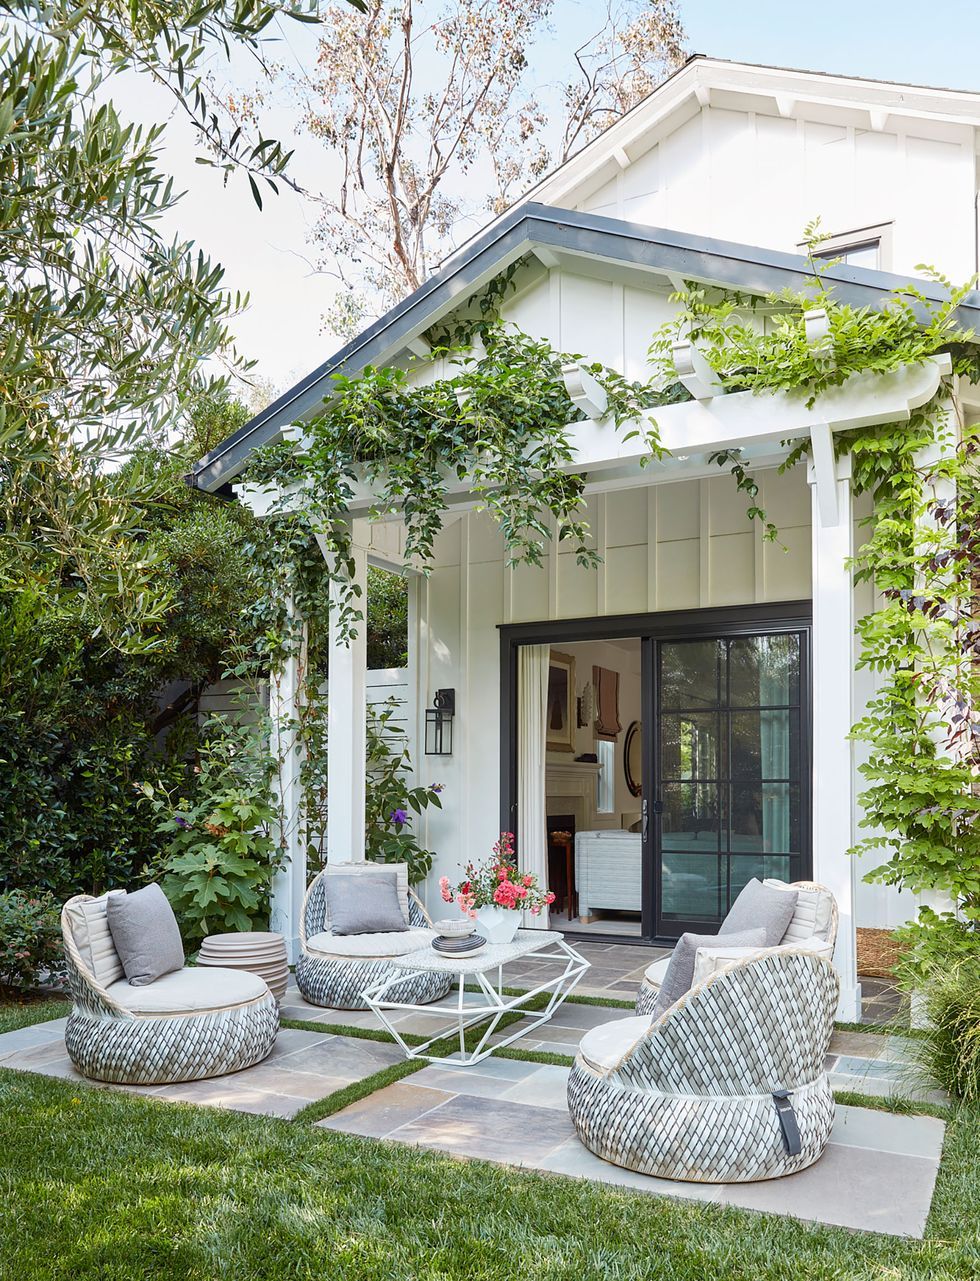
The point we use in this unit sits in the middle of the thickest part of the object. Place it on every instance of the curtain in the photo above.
(606, 685)
(532, 718)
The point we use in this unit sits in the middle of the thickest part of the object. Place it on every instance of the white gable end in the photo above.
(753, 158)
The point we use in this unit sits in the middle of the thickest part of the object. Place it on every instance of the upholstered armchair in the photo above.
(186, 1025)
(813, 926)
(728, 1085)
(334, 970)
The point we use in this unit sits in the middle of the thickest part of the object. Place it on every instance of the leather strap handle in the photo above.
(787, 1122)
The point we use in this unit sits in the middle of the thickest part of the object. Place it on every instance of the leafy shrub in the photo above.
(933, 945)
(30, 938)
(392, 804)
(222, 851)
(949, 1048)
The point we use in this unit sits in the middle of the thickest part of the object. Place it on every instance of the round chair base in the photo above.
(694, 1138)
(338, 985)
(171, 1048)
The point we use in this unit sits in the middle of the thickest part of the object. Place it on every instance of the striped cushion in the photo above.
(811, 916)
(90, 930)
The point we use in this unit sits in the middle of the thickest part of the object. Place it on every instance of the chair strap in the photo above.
(787, 1122)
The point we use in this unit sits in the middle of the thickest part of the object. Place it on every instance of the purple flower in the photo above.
(438, 787)
(399, 817)
(181, 821)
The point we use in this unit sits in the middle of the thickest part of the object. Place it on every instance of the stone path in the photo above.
(877, 1174)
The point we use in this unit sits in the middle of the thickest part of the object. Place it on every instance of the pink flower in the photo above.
(528, 880)
(521, 892)
(444, 889)
(549, 898)
(535, 910)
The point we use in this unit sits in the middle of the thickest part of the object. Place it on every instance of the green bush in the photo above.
(221, 852)
(30, 938)
(933, 945)
(949, 1048)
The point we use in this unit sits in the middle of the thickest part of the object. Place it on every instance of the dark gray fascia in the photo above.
(746, 268)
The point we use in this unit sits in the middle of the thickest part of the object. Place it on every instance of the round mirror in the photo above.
(633, 758)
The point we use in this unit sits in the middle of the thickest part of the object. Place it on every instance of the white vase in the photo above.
(497, 924)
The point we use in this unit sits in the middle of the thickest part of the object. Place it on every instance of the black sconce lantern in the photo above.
(439, 723)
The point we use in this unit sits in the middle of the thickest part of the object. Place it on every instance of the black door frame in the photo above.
(648, 629)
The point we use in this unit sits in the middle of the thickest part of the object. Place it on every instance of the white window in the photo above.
(862, 247)
(605, 799)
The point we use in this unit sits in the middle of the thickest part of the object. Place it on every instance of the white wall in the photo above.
(759, 179)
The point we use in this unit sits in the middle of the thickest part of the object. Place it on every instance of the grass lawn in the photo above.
(95, 1184)
(23, 1009)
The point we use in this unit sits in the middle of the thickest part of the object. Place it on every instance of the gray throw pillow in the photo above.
(363, 904)
(145, 934)
(680, 971)
(762, 906)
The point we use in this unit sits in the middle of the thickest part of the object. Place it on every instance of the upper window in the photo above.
(862, 247)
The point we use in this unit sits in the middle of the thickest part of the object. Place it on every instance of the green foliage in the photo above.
(932, 945)
(392, 805)
(922, 552)
(30, 938)
(387, 619)
(222, 850)
(949, 1049)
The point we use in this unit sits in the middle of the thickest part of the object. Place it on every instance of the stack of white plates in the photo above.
(260, 953)
(459, 947)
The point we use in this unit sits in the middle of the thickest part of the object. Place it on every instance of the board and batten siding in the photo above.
(759, 179)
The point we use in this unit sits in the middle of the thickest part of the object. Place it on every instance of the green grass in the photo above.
(98, 1186)
(23, 1010)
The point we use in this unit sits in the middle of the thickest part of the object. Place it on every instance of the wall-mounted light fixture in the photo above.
(439, 723)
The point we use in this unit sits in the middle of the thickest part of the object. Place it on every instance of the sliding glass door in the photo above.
(729, 771)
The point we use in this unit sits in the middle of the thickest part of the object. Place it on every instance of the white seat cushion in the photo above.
(654, 974)
(192, 990)
(811, 916)
(709, 960)
(89, 925)
(368, 946)
(605, 1045)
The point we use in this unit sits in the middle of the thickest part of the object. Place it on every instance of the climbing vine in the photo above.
(921, 552)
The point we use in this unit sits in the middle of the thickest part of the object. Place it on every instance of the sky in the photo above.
(267, 253)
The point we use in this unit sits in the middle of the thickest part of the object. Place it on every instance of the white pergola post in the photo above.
(289, 882)
(346, 733)
(833, 669)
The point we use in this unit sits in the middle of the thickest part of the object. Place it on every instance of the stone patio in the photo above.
(878, 1173)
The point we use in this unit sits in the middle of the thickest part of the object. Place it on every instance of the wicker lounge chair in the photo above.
(813, 925)
(186, 1026)
(334, 970)
(728, 1085)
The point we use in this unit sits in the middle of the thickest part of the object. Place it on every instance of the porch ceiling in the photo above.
(663, 258)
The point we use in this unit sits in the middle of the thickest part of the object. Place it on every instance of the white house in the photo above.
(708, 673)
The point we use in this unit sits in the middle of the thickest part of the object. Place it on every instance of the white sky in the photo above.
(267, 253)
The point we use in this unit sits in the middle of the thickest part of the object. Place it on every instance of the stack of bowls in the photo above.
(260, 953)
(457, 937)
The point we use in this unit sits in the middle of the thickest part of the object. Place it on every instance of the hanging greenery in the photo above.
(921, 552)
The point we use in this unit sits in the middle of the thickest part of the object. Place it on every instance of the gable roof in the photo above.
(559, 235)
(704, 81)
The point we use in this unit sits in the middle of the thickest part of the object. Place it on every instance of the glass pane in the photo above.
(691, 820)
(690, 672)
(693, 887)
(689, 745)
(764, 671)
(765, 744)
(765, 819)
(743, 868)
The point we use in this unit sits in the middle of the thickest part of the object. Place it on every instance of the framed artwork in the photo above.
(561, 702)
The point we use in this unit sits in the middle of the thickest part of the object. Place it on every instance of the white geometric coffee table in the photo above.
(467, 1008)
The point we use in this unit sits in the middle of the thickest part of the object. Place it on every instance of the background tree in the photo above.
(420, 105)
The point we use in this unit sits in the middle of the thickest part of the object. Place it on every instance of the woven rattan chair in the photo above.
(186, 1026)
(334, 970)
(814, 923)
(696, 1095)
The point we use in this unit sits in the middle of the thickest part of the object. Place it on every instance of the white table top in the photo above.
(427, 959)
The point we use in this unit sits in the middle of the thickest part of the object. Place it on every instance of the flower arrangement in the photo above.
(497, 883)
